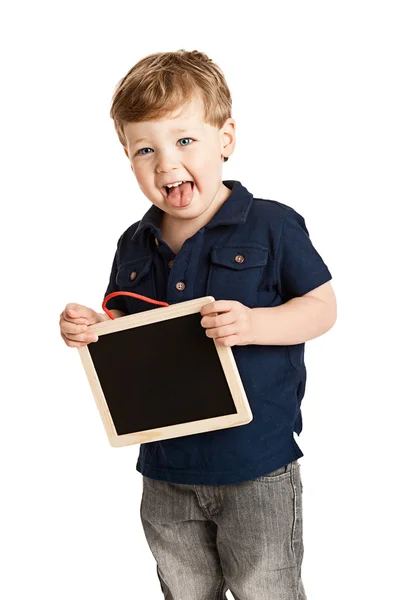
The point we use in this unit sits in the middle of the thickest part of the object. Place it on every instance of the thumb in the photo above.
(76, 311)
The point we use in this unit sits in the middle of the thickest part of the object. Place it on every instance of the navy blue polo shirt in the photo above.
(280, 263)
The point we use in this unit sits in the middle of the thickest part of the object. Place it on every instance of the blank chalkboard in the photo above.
(157, 375)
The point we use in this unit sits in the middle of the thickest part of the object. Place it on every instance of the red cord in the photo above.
(111, 316)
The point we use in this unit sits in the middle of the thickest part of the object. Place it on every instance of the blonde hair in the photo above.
(162, 82)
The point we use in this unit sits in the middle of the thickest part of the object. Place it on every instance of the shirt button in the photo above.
(180, 286)
(239, 258)
(156, 241)
(133, 275)
(170, 263)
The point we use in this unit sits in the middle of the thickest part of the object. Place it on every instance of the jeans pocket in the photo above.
(285, 470)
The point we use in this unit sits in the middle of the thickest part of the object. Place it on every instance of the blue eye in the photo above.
(140, 151)
(185, 139)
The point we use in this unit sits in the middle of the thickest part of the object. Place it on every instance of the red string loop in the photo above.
(111, 316)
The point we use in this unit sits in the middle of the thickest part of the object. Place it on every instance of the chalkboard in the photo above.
(157, 375)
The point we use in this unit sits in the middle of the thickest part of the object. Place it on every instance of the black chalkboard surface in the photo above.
(156, 375)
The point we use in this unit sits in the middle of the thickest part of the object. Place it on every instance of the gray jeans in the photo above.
(246, 537)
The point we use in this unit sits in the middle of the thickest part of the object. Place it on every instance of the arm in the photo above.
(298, 320)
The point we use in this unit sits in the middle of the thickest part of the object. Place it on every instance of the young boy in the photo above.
(222, 509)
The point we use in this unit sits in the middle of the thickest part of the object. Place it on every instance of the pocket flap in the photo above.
(130, 273)
(240, 257)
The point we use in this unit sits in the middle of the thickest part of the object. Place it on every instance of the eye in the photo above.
(139, 151)
(187, 138)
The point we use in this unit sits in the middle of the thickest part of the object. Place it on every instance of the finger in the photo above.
(70, 343)
(217, 307)
(67, 315)
(78, 321)
(74, 311)
(220, 332)
(218, 321)
(84, 338)
(227, 342)
(73, 344)
(68, 327)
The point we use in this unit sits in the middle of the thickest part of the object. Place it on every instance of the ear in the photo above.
(228, 137)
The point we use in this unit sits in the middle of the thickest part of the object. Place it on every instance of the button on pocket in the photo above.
(137, 276)
(235, 272)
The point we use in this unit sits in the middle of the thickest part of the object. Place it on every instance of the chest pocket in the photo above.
(137, 276)
(235, 272)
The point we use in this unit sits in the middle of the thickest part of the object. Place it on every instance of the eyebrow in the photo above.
(173, 131)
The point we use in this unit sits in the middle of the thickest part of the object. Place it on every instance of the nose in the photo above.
(166, 163)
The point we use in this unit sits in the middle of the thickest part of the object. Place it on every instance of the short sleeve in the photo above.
(299, 268)
(118, 302)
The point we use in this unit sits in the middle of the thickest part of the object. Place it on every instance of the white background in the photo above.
(315, 98)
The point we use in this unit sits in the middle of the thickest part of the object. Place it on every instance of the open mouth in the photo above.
(167, 190)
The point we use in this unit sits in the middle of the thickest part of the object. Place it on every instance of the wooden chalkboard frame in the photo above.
(226, 357)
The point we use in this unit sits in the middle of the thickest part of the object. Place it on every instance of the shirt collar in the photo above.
(234, 210)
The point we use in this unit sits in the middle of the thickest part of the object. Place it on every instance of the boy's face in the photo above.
(166, 155)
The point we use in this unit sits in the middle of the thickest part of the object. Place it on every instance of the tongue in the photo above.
(181, 195)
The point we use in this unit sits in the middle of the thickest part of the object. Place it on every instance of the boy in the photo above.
(222, 509)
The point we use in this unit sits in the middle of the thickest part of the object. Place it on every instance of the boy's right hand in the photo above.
(74, 321)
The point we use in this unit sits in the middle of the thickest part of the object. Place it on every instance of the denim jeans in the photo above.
(246, 537)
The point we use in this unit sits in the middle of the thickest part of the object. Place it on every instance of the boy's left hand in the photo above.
(234, 326)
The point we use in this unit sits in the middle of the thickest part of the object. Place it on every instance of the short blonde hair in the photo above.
(162, 82)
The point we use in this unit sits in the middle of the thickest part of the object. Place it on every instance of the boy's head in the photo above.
(172, 114)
